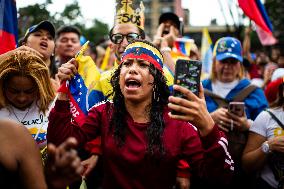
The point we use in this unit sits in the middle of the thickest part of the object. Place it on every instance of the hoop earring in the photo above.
(154, 93)
(155, 96)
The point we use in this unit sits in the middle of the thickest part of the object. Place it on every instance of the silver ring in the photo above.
(221, 122)
(232, 125)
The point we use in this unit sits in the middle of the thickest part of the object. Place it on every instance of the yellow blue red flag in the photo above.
(183, 45)
(83, 89)
(256, 11)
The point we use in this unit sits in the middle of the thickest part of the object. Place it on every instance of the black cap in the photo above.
(170, 16)
(46, 25)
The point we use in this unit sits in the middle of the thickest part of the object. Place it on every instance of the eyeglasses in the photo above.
(118, 37)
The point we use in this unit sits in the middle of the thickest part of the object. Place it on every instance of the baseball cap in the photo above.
(271, 90)
(170, 16)
(46, 25)
(228, 47)
(279, 72)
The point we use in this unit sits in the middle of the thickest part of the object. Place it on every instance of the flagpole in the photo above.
(225, 18)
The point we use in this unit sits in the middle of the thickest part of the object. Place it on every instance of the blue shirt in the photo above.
(255, 102)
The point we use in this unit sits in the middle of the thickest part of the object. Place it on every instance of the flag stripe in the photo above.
(251, 9)
(206, 51)
(183, 46)
(264, 14)
(8, 25)
(7, 42)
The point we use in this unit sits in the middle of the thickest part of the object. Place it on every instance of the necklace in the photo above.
(17, 116)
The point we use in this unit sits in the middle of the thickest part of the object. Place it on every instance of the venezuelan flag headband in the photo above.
(144, 51)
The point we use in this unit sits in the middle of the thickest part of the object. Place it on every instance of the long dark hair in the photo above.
(157, 125)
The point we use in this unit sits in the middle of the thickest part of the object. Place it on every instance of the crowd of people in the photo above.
(131, 138)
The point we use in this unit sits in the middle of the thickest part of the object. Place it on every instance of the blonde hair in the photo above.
(27, 63)
(213, 74)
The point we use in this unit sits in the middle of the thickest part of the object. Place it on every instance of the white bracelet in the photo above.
(232, 125)
(165, 49)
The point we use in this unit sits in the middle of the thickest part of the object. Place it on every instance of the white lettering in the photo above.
(73, 110)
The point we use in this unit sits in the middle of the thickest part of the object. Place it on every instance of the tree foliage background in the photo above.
(275, 9)
(71, 15)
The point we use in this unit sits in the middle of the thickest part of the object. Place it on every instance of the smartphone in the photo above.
(187, 74)
(237, 108)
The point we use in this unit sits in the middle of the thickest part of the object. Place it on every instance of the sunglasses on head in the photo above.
(118, 37)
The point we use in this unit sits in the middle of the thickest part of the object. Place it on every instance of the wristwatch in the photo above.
(265, 147)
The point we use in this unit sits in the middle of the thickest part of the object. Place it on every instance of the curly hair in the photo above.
(155, 111)
(26, 63)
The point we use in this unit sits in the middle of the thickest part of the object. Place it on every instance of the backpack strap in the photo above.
(275, 118)
(240, 97)
(217, 98)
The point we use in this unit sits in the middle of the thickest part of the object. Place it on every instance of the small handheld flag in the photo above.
(83, 89)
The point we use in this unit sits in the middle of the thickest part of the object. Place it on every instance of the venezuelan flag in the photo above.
(83, 89)
(182, 45)
(8, 25)
(255, 10)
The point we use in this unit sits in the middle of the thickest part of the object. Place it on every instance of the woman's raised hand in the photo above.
(68, 70)
(192, 109)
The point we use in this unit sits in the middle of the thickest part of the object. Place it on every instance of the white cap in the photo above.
(279, 72)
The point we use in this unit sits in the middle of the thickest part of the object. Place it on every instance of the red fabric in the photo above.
(265, 38)
(144, 57)
(8, 26)
(254, 71)
(7, 42)
(77, 113)
(250, 8)
(130, 166)
(271, 90)
(183, 169)
(63, 88)
(94, 146)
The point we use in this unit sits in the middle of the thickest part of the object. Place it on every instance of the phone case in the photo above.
(187, 74)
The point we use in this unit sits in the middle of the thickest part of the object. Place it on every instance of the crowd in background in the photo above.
(130, 139)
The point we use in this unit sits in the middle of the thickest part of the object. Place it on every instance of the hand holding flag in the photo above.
(82, 88)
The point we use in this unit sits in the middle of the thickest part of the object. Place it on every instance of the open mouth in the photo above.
(165, 32)
(132, 84)
(43, 44)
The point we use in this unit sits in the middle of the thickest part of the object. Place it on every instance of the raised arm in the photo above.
(206, 150)
(61, 126)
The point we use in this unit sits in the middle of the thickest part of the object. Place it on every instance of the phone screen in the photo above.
(187, 74)
(237, 108)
